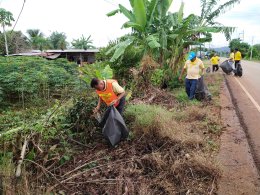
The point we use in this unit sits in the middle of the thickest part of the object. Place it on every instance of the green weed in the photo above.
(146, 115)
(181, 95)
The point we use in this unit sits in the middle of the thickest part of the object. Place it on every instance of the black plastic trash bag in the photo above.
(239, 70)
(227, 66)
(114, 127)
(202, 92)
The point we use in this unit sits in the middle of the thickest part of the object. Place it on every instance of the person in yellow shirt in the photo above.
(232, 56)
(109, 92)
(214, 62)
(238, 57)
(194, 67)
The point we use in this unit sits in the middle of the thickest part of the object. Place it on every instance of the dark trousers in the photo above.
(121, 105)
(191, 85)
(236, 63)
(215, 68)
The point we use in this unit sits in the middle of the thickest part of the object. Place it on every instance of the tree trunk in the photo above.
(6, 45)
(161, 58)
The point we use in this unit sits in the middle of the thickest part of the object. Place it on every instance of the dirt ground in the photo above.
(240, 175)
(248, 114)
(172, 151)
(174, 154)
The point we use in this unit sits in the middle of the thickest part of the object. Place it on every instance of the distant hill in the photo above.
(222, 49)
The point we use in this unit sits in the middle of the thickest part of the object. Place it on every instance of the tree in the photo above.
(35, 37)
(242, 46)
(256, 51)
(140, 19)
(17, 42)
(83, 43)
(58, 40)
(164, 36)
(211, 10)
(34, 33)
(6, 19)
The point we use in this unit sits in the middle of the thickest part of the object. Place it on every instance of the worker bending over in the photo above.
(109, 92)
(193, 66)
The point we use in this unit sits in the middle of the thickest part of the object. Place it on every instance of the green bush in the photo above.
(131, 58)
(171, 80)
(35, 77)
(157, 77)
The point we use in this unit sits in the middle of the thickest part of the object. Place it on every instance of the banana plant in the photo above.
(211, 10)
(164, 35)
(96, 70)
(141, 20)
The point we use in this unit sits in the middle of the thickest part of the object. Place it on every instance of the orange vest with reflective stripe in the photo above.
(108, 95)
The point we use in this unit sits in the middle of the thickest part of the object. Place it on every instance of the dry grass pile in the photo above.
(156, 96)
(161, 157)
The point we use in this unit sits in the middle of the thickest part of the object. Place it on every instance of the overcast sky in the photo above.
(88, 17)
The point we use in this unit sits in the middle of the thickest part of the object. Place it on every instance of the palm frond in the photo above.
(210, 4)
(227, 31)
(203, 4)
(222, 9)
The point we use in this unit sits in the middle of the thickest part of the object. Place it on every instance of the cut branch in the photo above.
(18, 170)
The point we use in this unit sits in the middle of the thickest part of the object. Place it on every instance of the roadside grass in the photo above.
(191, 131)
(193, 125)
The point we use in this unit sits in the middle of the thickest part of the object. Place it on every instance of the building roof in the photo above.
(26, 54)
(69, 51)
(53, 54)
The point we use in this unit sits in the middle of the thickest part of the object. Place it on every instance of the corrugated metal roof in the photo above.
(54, 52)
(68, 51)
(26, 54)
(52, 57)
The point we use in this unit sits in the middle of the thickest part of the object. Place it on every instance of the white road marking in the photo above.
(249, 96)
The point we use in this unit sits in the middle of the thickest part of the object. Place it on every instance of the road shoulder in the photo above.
(240, 175)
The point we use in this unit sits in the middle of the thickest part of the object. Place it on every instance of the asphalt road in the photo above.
(251, 79)
(245, 92)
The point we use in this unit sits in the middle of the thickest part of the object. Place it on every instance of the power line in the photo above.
(111, 3)
(18, 16)
(251, 52)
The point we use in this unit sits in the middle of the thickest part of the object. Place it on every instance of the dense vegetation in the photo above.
(245, 48)
(51, 142)
(63, 140)
(160, 40)
(24, 78)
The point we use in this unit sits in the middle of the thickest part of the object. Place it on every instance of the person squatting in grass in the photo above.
(215, 62)
(109, 92)
(194, 67)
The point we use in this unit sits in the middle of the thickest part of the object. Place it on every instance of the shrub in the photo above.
(80, 116)
(99, 70)
(35, 77)
(157, 77)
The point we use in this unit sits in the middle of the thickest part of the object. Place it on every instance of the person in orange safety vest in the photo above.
(109, 92)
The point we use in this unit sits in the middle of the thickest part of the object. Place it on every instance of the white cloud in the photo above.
(89, 17)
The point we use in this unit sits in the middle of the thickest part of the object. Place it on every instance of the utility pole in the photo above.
(243, 35)
(252, 47)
